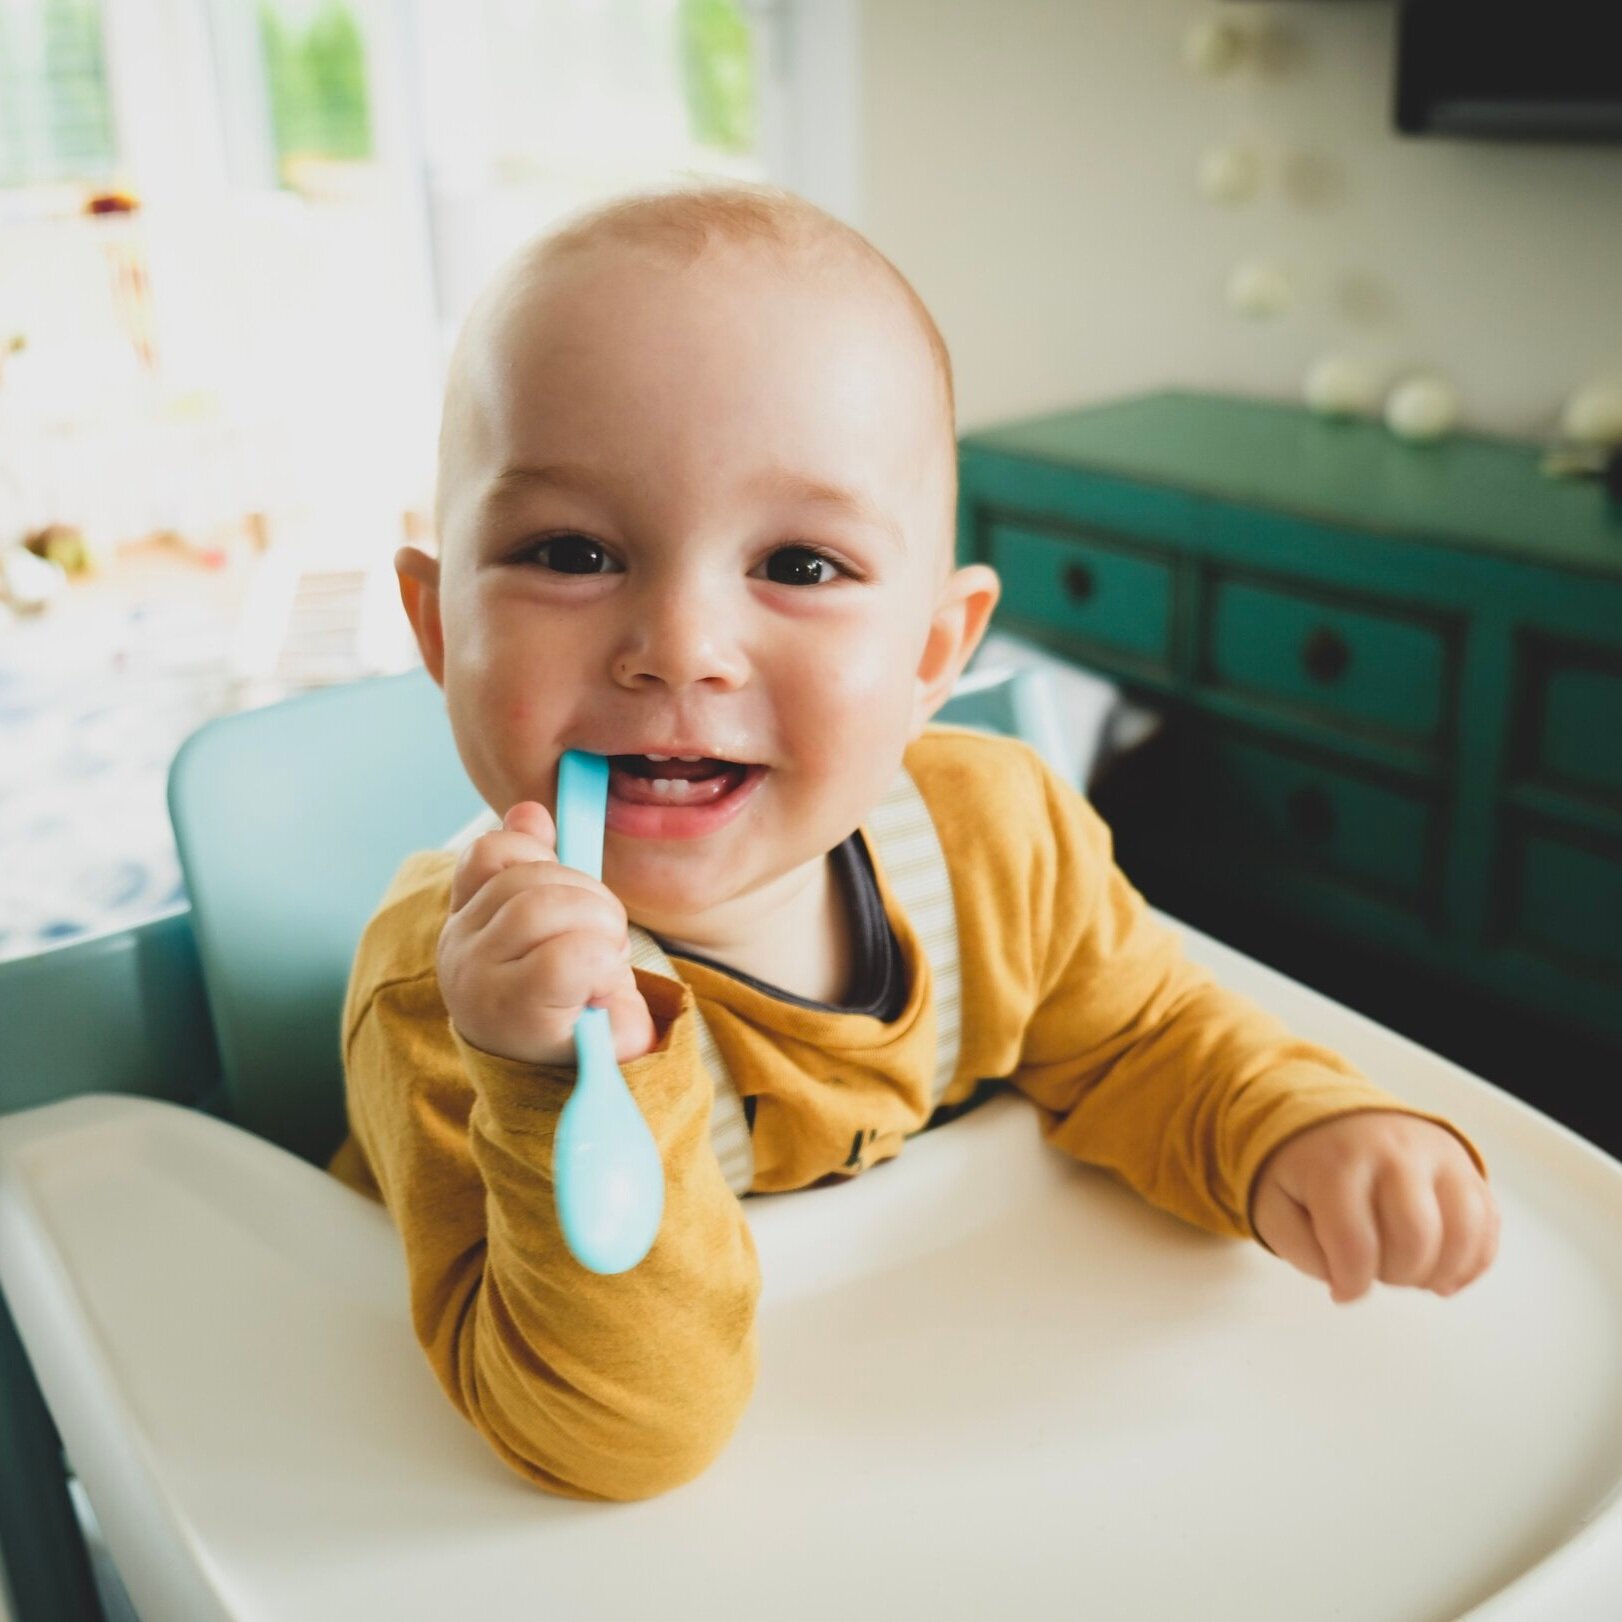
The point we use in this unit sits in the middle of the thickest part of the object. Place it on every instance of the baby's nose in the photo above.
(679, 644)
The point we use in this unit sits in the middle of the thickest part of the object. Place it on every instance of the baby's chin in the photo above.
(655, 890)
(685, 896)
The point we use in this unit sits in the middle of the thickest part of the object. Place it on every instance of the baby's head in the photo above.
(697, 493)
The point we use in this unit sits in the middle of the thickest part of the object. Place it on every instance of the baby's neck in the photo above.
(801, 943)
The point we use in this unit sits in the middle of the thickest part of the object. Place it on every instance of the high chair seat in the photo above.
(992, 1382)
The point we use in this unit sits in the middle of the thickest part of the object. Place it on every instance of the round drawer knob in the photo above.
(1325, 656)
(1311, 813)
(1079, 583)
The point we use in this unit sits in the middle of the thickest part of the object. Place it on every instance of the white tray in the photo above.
(992, 1382)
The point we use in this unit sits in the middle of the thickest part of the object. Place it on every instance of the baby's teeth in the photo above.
(674, 787)
(658, 757)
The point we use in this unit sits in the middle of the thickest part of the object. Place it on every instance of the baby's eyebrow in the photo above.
(513, 481)
(785, 485)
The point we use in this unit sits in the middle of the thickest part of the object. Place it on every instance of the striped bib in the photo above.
(907, 850)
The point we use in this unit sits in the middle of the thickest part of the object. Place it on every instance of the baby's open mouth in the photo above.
(669, 780)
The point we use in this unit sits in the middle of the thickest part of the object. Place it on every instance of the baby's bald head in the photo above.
(531, 311)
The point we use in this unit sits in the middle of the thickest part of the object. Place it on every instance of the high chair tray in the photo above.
(992, 1382)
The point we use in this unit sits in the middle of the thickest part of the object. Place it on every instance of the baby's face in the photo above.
(701, 511)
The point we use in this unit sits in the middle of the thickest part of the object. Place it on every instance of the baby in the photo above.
(695, 513)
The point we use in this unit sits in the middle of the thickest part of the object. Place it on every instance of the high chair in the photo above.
(992, 1379)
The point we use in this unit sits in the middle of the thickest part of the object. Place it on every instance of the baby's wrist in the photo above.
(504, 1051)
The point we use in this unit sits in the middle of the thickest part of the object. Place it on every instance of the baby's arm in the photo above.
(1149, 1067)
(597, 1387)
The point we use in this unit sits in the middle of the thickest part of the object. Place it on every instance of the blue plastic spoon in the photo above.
(607, 1179)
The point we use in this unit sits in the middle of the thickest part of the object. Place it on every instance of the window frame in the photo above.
(808, 58)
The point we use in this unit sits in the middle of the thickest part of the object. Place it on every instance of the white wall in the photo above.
(1030, 164)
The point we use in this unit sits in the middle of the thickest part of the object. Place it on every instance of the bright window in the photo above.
(55, 123)
(315, 74)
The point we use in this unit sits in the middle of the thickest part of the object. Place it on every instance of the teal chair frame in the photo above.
(289, 821)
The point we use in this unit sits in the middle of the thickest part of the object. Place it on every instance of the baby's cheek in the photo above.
(851, 704)
(870, 668)
(852, 729)
(520, 711)
(500, 718)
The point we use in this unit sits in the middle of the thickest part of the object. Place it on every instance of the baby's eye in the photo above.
(573, 554)
(800, 566)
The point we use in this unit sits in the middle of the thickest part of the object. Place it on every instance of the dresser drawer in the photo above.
(1570, 709)
(1295, 810)
(1101, 595)
(1338, 661)
(1564, 899)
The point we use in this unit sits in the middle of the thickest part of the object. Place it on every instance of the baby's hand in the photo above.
(1378, 1195)
(529, 944)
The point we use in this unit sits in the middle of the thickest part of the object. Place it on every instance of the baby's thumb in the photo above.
(532, 818)
(630, 1019)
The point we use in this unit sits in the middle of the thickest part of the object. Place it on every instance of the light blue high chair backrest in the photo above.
(291, 820)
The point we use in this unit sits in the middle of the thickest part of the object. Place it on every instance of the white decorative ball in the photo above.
(1229, 174)
(1258, 288)
(1594, 414)
(1421, 408)
(1338, 386)
(1211, 48)
(28, 583)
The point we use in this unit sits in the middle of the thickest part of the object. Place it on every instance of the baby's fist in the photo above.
(530, 944)
(1379, 1195)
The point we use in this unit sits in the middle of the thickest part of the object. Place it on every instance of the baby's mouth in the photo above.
(647, 780)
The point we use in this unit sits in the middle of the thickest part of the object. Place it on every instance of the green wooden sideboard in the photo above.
(1392, 673)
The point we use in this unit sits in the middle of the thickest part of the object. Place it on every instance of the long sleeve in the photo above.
(1143, 1065)
(593, 1387)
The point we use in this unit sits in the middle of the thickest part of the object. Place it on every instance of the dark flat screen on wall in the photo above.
(1550, 72)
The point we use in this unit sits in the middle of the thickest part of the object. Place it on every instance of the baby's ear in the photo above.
(959, 621)
(419, 591)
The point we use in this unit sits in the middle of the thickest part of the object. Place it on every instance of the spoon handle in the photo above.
(594, 1044)
(607, 1180)
(582, 811)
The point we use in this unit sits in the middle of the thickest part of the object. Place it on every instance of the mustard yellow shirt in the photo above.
(623, 1386)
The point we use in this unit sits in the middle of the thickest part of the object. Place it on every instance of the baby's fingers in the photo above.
(538, 912)
(1344, 1223)
(526, 835)
(1415, 1237)
(1471, 1214)
(569, 972)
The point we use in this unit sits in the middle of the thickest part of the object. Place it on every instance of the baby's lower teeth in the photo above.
(677, 788)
